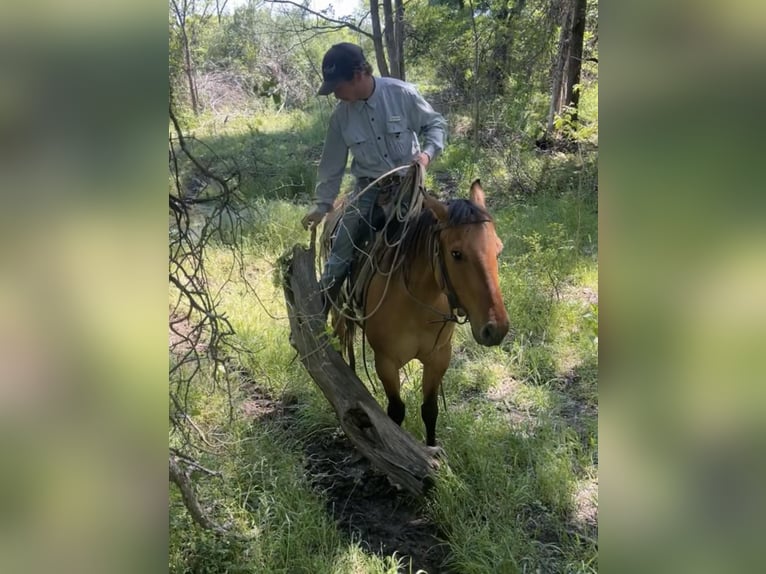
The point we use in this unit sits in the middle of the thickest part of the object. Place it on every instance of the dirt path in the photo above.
(364, 505)
(368, 508)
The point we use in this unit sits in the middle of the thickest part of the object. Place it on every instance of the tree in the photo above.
(220, 6)
(574, 64)
(388, 37)
(388, 42)
(399, 36)
(377, 38)
(393, 34)
(504, 17)
(565, 92)
(188, 17)
(476, 114)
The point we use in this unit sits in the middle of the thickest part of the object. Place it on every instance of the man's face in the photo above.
(348, 90)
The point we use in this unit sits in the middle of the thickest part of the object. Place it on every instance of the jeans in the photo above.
(353, 227)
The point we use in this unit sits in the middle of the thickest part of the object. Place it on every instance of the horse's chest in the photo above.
(406, 324)
(409, 337)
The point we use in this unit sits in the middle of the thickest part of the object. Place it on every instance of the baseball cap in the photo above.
(339, 64)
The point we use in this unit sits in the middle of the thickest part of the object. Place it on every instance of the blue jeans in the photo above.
(354, 225)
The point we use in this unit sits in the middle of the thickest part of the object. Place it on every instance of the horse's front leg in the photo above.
(433, 373)
(388, 372)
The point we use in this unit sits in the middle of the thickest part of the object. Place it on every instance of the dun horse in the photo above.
(449, 265)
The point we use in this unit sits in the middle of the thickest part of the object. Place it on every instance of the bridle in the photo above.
(457, 312)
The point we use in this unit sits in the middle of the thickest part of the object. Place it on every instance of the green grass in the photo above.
(503, 492)
(269, 152)
(264, 496)
(516, 454)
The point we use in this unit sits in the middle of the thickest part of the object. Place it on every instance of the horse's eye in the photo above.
(457, 255)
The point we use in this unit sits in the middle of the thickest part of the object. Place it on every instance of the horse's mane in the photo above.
(419, 237)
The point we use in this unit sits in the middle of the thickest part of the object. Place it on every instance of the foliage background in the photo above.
(521, 422)
(86, 428)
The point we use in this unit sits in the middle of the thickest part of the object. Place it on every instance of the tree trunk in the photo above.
(499, 51)
(189, 69)
(388, 36)
(181, 13)
(559, 69)
(574, 65)
(390, 449)
(220, 6)
(377, 38)
(399, 36)
(476, 115)
(500, 65)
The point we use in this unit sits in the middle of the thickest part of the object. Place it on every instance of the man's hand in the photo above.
(314, 217)
(423, 159)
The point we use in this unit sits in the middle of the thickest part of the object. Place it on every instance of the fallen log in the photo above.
(391, 450)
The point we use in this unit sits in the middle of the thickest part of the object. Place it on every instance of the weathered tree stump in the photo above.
(407, 462)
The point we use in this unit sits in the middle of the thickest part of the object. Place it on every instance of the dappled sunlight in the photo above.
(519, 431)
(507, 426)
(493, 467)
(518, 422)
(354, 560)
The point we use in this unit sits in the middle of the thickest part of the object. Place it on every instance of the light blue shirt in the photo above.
(381, 133)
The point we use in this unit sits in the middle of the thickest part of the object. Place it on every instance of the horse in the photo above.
(443, 267)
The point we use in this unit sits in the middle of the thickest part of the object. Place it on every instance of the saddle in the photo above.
(398, 203)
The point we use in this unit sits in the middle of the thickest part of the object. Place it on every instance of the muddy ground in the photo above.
(369, 509)
(361, 500)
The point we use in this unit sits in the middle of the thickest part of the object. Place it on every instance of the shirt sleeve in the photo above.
(332, 165)
(432, 125)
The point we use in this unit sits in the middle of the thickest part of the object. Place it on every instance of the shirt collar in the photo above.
(374, 97)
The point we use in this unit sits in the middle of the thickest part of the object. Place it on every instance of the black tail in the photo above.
(345, 330)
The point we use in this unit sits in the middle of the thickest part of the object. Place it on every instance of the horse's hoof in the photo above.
(437, 452)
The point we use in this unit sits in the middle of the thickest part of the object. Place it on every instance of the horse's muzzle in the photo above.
(492, 333)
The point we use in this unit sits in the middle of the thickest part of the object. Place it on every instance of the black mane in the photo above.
(461, 211)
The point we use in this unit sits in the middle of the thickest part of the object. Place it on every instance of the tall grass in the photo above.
(517, 453)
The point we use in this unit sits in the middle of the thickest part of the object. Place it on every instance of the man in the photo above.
(379, 121)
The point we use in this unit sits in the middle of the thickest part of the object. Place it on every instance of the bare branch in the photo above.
(186, 459)
(198, 330)
(340, 23)
(182, 480)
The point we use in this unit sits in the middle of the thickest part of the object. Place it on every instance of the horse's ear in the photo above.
(477, 193)
(437, 207)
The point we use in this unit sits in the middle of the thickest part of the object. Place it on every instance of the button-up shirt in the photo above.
(381, 132)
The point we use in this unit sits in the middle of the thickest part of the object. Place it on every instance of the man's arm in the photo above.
(431, 125)
(331, 166)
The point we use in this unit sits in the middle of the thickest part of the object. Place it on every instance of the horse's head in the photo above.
(467, 267)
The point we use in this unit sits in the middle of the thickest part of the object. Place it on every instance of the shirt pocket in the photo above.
(360, 144)
(399, 140)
